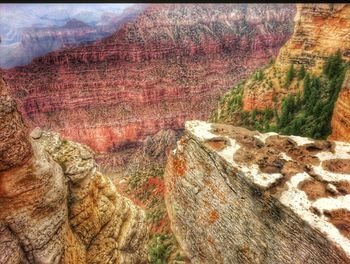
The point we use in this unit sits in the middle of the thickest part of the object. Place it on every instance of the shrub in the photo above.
(159, 248)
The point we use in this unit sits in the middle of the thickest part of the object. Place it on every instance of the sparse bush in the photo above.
(159, 248)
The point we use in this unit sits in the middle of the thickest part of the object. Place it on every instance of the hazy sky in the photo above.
(41, 15)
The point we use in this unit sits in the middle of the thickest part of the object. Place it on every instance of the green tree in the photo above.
(301, 73)
(288, 107)
(333, 65)
(307, 87)
(290, 75)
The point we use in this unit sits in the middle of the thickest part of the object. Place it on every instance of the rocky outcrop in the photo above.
(167, 66)
(237, 196)
(55, 206)
(14, 146)
(320, 30)
(33, 209)
(341, 113)
(318, 51)
(109, 226)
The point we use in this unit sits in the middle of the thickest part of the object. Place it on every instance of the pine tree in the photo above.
(301, 73)
(333, 65)
(290, 75)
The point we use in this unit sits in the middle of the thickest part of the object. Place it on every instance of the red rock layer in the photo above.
(341, 114)
(37, 42)
(15, 148)
(167, 66)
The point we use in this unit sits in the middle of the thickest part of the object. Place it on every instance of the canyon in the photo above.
(168, 65)
(99, 163)
(34, 41)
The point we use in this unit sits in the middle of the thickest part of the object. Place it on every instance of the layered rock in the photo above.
(341, 113)
(55, 206)
(153, 151)
(320, 30)
(109, 226)
(33, 210)
(237, 196)
(35, 42)
(167, 66)
(15, 148)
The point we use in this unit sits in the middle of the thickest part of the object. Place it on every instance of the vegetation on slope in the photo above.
(307, 112)
(146, 188)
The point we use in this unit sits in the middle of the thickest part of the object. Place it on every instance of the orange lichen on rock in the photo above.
(213, 216)
(179, 166)
(217, 143)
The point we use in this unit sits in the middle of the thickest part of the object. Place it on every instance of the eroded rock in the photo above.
(55, 206)
(258, 202)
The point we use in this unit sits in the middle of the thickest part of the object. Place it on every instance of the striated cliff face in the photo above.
(341, 114)
(167, 66)
(320, 30)
(316, 58)
(56, 207)
(14, 146)
(237, 196)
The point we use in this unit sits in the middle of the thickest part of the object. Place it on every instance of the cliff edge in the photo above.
(237, 196)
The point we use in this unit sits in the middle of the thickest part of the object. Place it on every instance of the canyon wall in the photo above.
(15, 148)
(318, 50)
(237, 196)
(167, 66)
(38, 41)
(320, 30)
(55, 206)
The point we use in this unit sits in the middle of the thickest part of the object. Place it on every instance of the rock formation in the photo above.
(341, 114)
(14, 146)
(237, 196)
(55, 206)
(320, 30)
(167, 66)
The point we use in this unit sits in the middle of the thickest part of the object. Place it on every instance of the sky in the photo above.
(42, 15)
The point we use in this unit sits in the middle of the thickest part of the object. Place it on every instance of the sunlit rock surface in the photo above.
(55, 206)
(319, 31)
(341, 113)
(237, 196)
